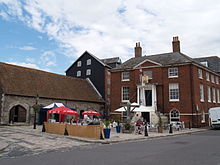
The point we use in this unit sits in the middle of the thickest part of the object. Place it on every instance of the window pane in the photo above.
(125, 76)
(125, 93)
(173, 72)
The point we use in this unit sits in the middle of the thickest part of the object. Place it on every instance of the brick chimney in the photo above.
(176, 44)
(138, 50)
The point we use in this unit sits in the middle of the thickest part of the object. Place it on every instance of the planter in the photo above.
(118, 129)
(107, 133)
(160, 129)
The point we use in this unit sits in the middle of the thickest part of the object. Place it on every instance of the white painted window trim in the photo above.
(79, 63)
(174, 100)
(122, 98)
(207, 76)
(78, 73)
(88, 72)
(170, 71)
(213, 95)
(122, 76)
(209, 94)
(88, 62)
(201, 92)
(218, 96)
(200, 74)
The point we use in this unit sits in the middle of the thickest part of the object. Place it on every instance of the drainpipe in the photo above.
(192, 92)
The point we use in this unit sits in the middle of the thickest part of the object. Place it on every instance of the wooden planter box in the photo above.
(55, 128)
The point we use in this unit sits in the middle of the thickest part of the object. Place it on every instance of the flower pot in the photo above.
(118, 129)
(107, 133)
(160, 129)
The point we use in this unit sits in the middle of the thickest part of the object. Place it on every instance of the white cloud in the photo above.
(111, 27)
(26, 48)
(28, 65)
(48, 58)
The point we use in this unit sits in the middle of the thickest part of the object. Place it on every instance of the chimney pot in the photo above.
(138, 50)
(176, 44)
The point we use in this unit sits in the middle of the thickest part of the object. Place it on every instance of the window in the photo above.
(201, 93)
(109, 73)
(209, 94)
(125, 76)
(174, 92)
(125, 93)
(108, 81)
(79, 63)
(212, 78)
(108, 91)
(216, 80)
(218, 96)
(148, 73)
(207, 76)
(88, 62)
(174, 116)
(205, 63)
(78, 74)
(213, 95)
(200, 73)
(172, 72)
(88, 72)
(203, 117)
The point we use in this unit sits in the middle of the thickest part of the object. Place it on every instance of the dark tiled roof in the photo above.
(213, 62)
(111, 60)
(163, 59)
(23, 81)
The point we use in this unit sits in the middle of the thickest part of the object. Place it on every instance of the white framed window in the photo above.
(172, 72)
(148, 73)
(79, 63)
(88, 72)
(108, 81)
(109, 73)
(201, 93)
(174, 92)
(78, 74)
(125, 94)
(218, 96)
(213, 95)
(202, 116)
(207, 76)
(209, 93)
(108, 91)
(125, 76)
(174, 116)
(212, 78)
(88, 62)
(217, 80)
(200, 73)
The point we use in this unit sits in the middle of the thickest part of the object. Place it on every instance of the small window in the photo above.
(125, 93)
(88, 62)
(78, 73)
(148, 73)
(201, 93)
(212, 78)
(213, 95)
(125, 76)
(203, 117)
(218, 96)
(174, 92)
(108, 91)
(216, 80)
(200, 73)
(108, 81)
(79, 63)
(174, 116)
(207, 76)
(172, 72)
(209, 93)
(88, 72)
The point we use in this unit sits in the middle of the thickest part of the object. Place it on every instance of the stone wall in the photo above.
(9, 101)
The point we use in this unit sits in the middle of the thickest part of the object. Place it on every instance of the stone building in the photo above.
(21, 88)
(171, 84)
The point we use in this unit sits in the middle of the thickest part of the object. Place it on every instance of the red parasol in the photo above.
(91, 113)
(63, 110)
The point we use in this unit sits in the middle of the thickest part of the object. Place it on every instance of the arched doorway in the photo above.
(17, 114)
(174, 116)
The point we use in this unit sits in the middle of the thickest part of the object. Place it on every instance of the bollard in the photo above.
(66, 132)
(145, 130)
(43, 129)
(189, 125)
(171, 128)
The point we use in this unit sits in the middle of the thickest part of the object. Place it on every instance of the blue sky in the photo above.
(49, 35)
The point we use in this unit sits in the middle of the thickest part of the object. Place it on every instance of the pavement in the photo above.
(35, 139)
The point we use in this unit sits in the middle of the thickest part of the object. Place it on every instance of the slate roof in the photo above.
(17, 80)
(213, 62)
(163, 59)
(111, 60)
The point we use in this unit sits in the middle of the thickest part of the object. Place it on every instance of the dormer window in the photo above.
(205, 63)
(125, 76)
(88, 62)
(79, 63)
(172, 72)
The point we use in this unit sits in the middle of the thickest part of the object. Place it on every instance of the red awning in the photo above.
(63, 110)
(91, 113)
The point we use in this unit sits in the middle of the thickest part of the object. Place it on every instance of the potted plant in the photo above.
(160, 125)
(118, 127)
(107, 128)
(127, 128)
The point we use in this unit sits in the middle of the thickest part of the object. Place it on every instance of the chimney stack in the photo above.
(176, 44)
(138, 50)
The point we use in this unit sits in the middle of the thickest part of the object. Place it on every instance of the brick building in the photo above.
(21, 88)
(172, 84)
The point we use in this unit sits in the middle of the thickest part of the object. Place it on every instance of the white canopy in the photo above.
(53, 105)
(122, 109)
(143, 108)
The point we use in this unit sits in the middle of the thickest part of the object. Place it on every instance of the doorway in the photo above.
(148, 97)
(17, 114)
(146, 116)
